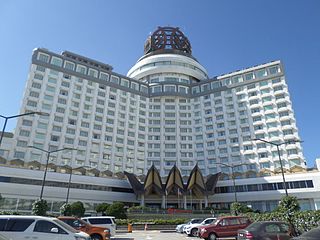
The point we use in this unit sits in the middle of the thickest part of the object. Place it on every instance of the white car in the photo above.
(36, 227)
(179, 228)
(199, 220)
(103, 221)
(192, 229)
(3, 237)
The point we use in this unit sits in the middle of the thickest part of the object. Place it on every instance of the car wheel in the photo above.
(96, 237)
(212, 236)
(194, 232)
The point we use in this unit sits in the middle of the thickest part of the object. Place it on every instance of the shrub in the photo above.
(65, 209)
(40, 207)
(102, 207)
(77, 209)
(143, 208)
(154, 221)
(117, 210)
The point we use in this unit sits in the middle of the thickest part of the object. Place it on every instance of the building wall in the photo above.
(159, 117)
(20, 187)
(6, 145)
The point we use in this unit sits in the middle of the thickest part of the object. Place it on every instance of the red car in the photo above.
(223, 227)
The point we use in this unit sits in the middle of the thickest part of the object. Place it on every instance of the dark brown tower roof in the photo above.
(168, 40)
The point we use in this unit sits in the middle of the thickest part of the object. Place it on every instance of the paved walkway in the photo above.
(154, 235)
(151, 235)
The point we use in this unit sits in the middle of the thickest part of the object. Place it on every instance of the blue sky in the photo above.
(225, 36)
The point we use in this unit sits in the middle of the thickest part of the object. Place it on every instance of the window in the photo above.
(69, 65)
(261, 73)
(27, 123)
(274, 70)
(56, 61)
(249, 76)
(19, 155)
(93, 73)
(81, 69)
(46, 226)
(169, 88)
(24, 133)
(15, 225)
(114, 79)
(31, 103)
(43, 57)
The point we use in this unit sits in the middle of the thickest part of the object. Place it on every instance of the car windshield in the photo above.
(197, 221)
(65, 226)
(253, 226)
(216, 222)
(83, 222)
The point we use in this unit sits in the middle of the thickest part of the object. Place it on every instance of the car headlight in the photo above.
(203, 230)
(106, 231)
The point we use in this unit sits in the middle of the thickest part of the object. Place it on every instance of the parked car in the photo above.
(192, 229)
(3, 237)
(223, 227)
(197, 220)
(313, 234)
(36, 227)
(95, 232)
(266, 230)
(103, 221)
(179, 228)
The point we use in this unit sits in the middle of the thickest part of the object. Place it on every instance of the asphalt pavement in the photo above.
(154, 235)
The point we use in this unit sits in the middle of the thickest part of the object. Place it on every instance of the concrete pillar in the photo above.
(142, 200)
(163, 203)
(184, 201)
(200, 204)
(206, 201)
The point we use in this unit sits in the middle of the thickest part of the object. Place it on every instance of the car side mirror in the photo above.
(54, 230)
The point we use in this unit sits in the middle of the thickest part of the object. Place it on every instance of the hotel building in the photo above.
(166, 111)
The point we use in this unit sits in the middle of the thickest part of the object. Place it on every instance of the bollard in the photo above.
(129, 228)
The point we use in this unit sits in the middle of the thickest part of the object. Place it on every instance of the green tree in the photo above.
(117, 210)
(287, 208)
(239, 208)
(77, 209)
(65, 209)
(102, 207)
(40, 207)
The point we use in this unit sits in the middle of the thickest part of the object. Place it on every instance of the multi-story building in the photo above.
(166, 111)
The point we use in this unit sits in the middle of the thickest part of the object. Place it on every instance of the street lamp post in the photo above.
(6, 118)
(69, 182)
(232, 176)
(47, 162)
(279, 155)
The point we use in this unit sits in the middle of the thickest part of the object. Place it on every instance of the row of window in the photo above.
(266, 186)
(91, 72)
(157, 89)
(27, 181)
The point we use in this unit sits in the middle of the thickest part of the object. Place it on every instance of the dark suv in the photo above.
(223, 227)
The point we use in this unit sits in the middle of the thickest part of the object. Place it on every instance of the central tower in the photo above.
(169, 69)
(167, 52)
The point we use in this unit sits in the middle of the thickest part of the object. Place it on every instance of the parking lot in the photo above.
(154, 235)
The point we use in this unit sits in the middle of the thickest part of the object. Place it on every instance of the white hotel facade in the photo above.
(166, 111)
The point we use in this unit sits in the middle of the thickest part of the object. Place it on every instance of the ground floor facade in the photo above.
(19, 187)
